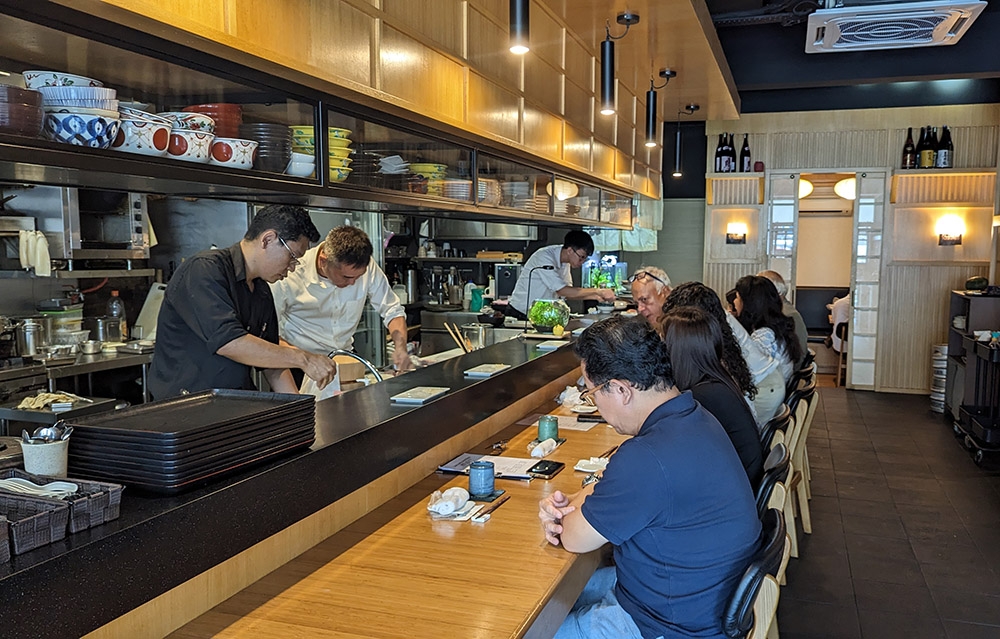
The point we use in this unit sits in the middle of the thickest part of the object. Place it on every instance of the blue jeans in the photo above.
(597, 614)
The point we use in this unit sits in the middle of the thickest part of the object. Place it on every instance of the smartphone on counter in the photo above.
(546, 469)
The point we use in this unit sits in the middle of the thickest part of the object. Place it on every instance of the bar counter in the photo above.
(161, 542)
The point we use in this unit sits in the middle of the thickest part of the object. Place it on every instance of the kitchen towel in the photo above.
(448, 502)
(40, 256)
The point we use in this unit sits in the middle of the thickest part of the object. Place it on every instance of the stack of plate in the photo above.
(274, 148)
(517, 195)
(489, 191)
(457, 189)
(939, 365)
(174, 444)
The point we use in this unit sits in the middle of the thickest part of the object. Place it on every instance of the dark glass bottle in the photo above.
(909, 152)
(731, 149)
(718, 154)
(945, 156)
(745, 162)
(925, 159)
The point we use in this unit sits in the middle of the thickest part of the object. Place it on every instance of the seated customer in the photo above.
(840, 313)
(698, 295)
(694, 342)
(801, 332)
(768, 339)
(674, 500)
(650, 288)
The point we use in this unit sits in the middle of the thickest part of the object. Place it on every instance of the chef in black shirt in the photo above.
(218, 319)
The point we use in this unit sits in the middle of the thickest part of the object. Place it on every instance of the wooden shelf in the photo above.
(733, 176)
(929, 172)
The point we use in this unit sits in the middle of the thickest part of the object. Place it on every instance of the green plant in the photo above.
(549, 313)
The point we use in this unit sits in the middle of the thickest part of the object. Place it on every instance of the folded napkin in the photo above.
(40, 256)
(448, 502)
(570, 397)
(22, 248)
(544, 448)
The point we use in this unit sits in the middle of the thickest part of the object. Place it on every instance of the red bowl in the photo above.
(17, 95)
(21, 119)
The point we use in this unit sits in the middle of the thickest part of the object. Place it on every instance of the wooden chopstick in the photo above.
(456, 336)
(608, 453)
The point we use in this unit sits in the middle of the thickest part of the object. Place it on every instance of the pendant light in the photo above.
(627, 19)
(688, 110)
(519, 10)
(651, 123)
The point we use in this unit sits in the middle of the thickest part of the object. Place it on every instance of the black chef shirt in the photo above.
(208, 304)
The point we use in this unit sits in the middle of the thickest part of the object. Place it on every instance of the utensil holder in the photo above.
(49, 459)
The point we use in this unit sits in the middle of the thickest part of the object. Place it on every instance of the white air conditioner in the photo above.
(889, 26)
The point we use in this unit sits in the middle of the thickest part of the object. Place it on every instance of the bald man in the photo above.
(650, 288)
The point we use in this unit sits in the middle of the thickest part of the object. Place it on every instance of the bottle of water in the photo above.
(116, 308)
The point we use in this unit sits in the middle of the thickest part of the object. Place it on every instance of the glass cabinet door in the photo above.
(863, 327)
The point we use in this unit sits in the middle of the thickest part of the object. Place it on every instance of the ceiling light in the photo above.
(651, 124)
(846, 188)
(519, 10)
(608, 82)
(805, 188)
(688, 110)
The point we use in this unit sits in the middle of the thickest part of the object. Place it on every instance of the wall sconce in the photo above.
(651, 136)
(519, 10)
(846, 188)
(736, 233)
(805, 188)
(949, 229)
(608, 60)
(688, 110)
(563, 190)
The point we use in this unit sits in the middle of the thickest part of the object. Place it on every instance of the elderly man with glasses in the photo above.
(319, 306)
(217, 320)
(650, 288)
(674, 500)
(547, 275)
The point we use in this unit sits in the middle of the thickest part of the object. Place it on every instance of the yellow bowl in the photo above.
(339, 142)
(340, 162)
(301, 129)
(334, 132)
(339, 174)
(339, 152)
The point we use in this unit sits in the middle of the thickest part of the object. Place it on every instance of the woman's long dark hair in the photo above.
(762, 308)
(694, 340)
(698, 295)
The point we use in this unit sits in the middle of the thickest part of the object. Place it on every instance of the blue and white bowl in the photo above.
(80, 129)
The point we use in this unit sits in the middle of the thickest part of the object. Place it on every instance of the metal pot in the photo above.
(478, 335)
(31, 335)
(104, 329)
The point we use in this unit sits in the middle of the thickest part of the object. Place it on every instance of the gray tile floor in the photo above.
(906, 528)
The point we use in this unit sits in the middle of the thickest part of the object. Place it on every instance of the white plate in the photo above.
(586, 409)
(590, 466)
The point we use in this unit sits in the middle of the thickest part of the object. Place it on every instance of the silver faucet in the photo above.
(364, 362)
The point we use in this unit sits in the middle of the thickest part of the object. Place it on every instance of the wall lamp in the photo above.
(651, 136)
(736, 233)
(688, 110)
(519, 10)
(627, 19)
(949, 229)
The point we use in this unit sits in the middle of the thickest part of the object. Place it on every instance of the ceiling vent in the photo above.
(868, 27)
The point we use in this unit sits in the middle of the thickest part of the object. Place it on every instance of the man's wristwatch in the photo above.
(592, 478)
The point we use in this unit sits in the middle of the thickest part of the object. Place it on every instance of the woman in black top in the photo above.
(694, 340)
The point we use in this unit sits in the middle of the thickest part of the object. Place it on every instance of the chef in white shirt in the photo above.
(320, 303)
(547, 274)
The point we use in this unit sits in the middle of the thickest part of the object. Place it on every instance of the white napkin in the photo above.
(544, 448)
(40, 256)
(22, 248)
(570, 397)
(448, 502)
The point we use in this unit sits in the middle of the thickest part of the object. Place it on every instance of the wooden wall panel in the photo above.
(623, 167)
(493, 109)
(604, 160)
(499, 10)
(543, 83)
(279, 27)
(405, 65)
(579, 64)
(440, 21)
(542, 132)
(913, 316)
(718, 220)
(830, 149)
(488, 52)
(913, 237)
(576, 147)
(604, 125)
(547, 37)
(208, 14)
(721, 277)
(578, 106)
(343, 39)
(913, 187)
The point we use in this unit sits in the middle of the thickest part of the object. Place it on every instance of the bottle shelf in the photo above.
(951, 172)
(733, 176)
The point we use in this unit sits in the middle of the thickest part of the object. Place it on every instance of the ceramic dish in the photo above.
(36, 79)
(592, 465)
(584, 409)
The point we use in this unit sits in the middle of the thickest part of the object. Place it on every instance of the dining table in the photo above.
(399, 572)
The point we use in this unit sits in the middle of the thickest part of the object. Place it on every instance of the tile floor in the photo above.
(906, 528)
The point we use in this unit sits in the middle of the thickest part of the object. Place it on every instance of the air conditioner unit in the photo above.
(898, 25)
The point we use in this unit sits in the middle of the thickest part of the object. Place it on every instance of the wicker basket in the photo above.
(33, 522)
(4, 543)
(95, 503)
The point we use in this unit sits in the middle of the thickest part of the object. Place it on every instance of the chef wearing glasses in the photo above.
(650, 288)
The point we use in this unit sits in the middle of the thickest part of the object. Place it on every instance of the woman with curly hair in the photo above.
(770, 333)
(698, 295)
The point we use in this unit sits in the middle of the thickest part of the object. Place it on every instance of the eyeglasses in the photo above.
(587, 394)
(638, 276)
(582, 257)
(295, 258)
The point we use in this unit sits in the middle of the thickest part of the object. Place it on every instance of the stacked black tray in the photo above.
(174, 444)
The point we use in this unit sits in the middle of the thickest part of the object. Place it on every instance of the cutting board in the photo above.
(150, 311)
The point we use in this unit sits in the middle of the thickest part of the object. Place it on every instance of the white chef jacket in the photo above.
(317, 316)
(840, 313)
(544, 283)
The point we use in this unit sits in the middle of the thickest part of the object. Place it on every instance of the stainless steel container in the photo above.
(104, 329)
(31, 336)
(478, 335)
(412, 286)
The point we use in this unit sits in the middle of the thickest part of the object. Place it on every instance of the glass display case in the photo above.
(512, 185)
(616, 208)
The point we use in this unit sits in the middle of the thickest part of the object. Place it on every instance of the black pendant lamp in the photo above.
(688, 110)
(519, 10)
(627, 19)
(651, 137)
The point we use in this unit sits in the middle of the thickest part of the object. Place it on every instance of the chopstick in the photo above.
(456, 336)
(608, 453)
(493, 506)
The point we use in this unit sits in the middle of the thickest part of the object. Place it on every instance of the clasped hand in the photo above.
(551, 511)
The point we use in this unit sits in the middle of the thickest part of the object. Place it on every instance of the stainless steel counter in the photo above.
(88, 364)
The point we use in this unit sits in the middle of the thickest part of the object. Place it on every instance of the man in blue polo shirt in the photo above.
(674, 500)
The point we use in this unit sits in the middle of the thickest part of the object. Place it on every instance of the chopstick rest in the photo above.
(484, 515)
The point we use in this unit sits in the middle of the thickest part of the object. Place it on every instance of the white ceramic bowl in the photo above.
(81, 129)
(36, 79)
(110, 105)
(189, 121)
(300, 169)
(142, 137)
(77, 93)
(303, 157)
(190, 146)
(236, 153)
(136, 114)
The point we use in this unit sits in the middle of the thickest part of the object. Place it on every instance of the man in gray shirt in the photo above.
(801, 333)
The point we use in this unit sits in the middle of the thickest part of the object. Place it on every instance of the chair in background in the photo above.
(804, 388)
(777, 423)
(751, 608)
(801, 377)
(775, 470)
(798, 485)
(841, 330)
